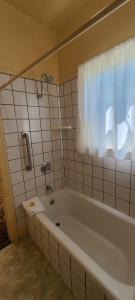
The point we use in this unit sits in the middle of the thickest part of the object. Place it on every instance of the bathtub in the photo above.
(91, 246)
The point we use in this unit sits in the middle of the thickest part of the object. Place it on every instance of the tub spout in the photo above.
(49, 188)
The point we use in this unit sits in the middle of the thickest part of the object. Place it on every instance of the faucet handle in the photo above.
(46, 168)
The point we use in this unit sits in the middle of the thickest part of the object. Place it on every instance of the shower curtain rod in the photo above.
(103, 13)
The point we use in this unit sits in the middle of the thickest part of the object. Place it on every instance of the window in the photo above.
(106, 103)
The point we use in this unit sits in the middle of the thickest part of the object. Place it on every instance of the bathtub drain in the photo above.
(57, 224)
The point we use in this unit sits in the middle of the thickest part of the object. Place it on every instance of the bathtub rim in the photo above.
(113, 287)
(97, 203)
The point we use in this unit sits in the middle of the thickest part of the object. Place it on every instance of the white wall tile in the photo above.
(19, 98)
(45, 124)
(97, 161)
(74, 84)
(133, 168)
(89, 295)
(44, 112)
(98, 184)
(87, 158)
(40, 181)
(109, 175)
(16, 177)
(45, 233)
(53, 101)
(37, 148)
(21, 112)
(40, 190)
(52, 89)
(98, 195)
(78, 269)
(31, 86)
(3, 79)
(98, 172)
(87, 169)
(88, 191)
(78, 285)
(109, 163)
(132, 197)
(122, 193)
(32, 99)
(123, 166)
(122, 206)
(38, 159)
(54, 112)
(6, 97)
(123, 179)
(18, 189)
(44, 101)
(28, 175)
(94, 287)
(65, 275)
(33, 112)
(9, 126)
(31, 194)
(109, 200)
(19, 85)
(132, 210)
(37, 171)
(64, 255)
(15, 165)
(30, 184)
(67, 87)
(36, 136)
(11, 139)
(46, 136)
(7, 111)
(23, 125)
(13, 152)
(109, 188)
(19, 200)
(34, 125)
(133, 182)
(20, 212)
(49, 178)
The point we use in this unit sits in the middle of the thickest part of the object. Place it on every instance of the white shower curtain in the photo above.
(106, 103)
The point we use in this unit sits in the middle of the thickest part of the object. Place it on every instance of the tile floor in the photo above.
(26, 275)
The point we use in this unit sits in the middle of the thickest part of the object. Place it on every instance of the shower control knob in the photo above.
(46, 168)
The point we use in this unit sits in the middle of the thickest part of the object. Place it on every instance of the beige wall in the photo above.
(21, 41)
(113, 30)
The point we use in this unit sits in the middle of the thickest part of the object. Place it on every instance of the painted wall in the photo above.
(113, 30)
(22, 41)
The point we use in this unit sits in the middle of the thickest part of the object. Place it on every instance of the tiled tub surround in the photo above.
(20, 110)
(107, 180)
(95, 260)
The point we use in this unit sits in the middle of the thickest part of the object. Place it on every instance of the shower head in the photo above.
(46, 78)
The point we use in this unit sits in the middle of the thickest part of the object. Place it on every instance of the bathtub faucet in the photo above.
(49, 188)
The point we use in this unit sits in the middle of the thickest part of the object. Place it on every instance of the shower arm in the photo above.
(102, 14)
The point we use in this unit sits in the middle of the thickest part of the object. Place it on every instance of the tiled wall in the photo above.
(107, 180)
(20, 111)
(77, 279)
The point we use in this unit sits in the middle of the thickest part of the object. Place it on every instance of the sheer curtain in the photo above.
(106, 103)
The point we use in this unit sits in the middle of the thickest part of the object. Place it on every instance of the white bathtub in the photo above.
(93, 249)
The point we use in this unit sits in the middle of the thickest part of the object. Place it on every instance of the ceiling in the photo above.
(58, 14)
